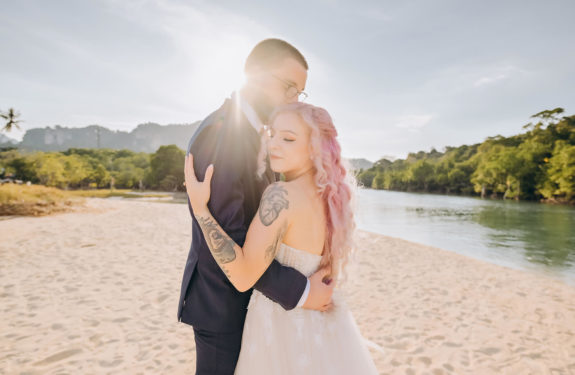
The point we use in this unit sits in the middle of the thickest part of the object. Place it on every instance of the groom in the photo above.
(229, 138)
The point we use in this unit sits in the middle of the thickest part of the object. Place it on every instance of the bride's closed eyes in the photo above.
(273, 133)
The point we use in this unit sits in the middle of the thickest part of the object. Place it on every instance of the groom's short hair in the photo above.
(270, 52)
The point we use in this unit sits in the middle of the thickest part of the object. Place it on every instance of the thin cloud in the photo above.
(413, 123)
(488, 80)
(507, 71)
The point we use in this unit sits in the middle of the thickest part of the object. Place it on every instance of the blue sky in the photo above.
(396, 76)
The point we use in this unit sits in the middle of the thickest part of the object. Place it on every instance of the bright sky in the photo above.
(396, 76)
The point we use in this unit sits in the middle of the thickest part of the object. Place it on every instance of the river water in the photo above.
(522, 235)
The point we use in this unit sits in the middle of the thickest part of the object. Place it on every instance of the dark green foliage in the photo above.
(536, 165)
(167, 168)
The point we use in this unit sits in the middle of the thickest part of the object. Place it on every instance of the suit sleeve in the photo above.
(281, 284)
(227, 192)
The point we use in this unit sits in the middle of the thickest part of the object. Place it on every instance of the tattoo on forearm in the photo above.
(272, 249)
(273, 201)
(221, 246)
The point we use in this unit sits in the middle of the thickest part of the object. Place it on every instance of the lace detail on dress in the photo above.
(301, 260)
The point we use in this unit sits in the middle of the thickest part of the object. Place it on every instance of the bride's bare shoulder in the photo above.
(290, 189)
(298, 196)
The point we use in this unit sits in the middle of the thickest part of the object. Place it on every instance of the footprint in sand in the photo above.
(488, 351)
(432, 339)
(57, 327)
(58, 357)
(448, 367)
(162, 298)
(452, 344)
(465, 358)
(113, 363)
(425, 360)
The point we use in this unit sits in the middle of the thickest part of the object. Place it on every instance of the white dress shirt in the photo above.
(257, 123)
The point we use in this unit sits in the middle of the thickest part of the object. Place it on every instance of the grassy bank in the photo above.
(35, 200)
(39, 200)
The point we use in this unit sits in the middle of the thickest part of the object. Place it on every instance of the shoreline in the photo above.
(535, 271)
(96, 291)
(548, 201)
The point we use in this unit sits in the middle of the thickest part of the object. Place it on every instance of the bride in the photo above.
(305, 222)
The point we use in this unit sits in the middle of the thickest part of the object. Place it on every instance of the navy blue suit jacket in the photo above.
(207, 298)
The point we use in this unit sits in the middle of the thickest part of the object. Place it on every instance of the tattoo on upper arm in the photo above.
(226, 272)
(221, 246)
(272, 249)
(273, 201)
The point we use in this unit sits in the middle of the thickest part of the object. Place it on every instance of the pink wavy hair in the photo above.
(335, 184)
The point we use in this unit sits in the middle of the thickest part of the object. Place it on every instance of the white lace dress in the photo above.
(300, 341)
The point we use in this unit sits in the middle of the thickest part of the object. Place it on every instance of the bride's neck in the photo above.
(305, 175)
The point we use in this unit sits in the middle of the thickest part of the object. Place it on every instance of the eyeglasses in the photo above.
(291, 91)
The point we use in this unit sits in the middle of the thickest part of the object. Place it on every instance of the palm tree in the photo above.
(10, 118)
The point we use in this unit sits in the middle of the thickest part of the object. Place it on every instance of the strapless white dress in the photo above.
(301, 341)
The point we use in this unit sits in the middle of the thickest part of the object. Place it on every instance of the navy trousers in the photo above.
(217, 353)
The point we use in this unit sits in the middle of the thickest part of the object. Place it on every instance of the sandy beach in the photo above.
(96, 292)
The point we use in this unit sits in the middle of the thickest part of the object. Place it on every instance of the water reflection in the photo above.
(522, 235)
(544, 232)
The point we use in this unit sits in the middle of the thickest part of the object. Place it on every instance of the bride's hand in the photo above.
(198, 192)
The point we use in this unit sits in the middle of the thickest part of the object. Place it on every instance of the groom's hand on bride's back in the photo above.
(319, 297)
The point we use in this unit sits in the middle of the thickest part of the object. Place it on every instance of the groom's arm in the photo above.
(284, 285)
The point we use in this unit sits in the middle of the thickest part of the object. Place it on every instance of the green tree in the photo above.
(420, 175)
(100, 176)
(50, 170)
(167, 161)
(365, 178)
(561, 172)
(77, 171)
(378, 181)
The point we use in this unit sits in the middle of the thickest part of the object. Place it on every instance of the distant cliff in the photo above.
(6, 141)
(146, 137)
(357, 164)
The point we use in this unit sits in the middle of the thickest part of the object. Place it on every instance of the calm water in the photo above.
(521, 235)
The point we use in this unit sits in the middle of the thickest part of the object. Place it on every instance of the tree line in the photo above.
(83, 168)
(538, 164)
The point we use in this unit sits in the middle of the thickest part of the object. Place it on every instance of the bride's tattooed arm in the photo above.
(221, 246)
(244, 266)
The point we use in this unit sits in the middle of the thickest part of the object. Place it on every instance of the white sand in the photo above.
(96, 292)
